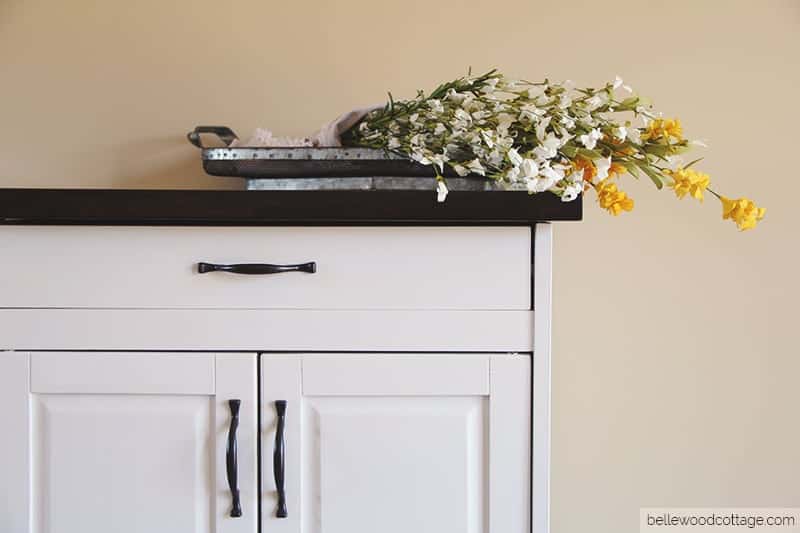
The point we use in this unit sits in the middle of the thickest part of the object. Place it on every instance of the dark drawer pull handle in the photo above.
(231, 460)
(256, 268)
(279, 459)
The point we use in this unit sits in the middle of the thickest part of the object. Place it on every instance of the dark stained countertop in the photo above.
(264, 208)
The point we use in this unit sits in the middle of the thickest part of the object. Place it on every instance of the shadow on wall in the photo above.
(164, 162)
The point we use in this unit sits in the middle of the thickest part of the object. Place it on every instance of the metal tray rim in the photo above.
(327, 153)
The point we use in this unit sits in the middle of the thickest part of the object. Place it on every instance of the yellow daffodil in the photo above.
(687, 181)
(743, 211)
(616, 169)
(665, 128)
(612, 199)
(589, 170)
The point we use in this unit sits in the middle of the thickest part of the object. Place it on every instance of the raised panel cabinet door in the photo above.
(128, 442)
(395, 443)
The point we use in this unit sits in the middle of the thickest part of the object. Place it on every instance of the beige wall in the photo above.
(676, 365)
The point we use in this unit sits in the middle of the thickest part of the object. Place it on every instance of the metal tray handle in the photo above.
(224, 133)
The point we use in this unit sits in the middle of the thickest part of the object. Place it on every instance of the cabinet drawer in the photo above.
(356, 267)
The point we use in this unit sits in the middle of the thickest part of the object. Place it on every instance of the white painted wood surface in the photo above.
(126, 289)
(542, 353)
(396, 375)
(15, 461)
(357, 267)
(275, 330)
(236, 377)
(132, 460)
(408, 459)
(122, 373)
(510, 443)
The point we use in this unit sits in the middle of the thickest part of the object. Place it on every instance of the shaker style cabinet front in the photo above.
(128, 442)
(423, 443)
(385, 381)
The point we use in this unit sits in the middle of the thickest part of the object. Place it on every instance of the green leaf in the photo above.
(569, 151)
(693, 162)
(632, 168)
(628, 104)
(591, 154)
(653, 175)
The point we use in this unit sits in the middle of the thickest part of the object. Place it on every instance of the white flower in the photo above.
(512, 174)
(618, 83)
(504, 121)
(533, 185)
(504, 141)
(476, 167)
(596, 101)
(549, 147)
(571, 192)
(394, 143)
(487, 138)
(529, 168)
(541, 128)
(551, 175)
(435, 105)
(441, 191)
(461, 170)
(439, 129)
(414, 119)
(602, 165)
(429, 158)
(535, 91)
(590, 139)
(568, 122)
(454, 96)
(634, 135)
(621, 133)
(542, 182)
(490, 85)
(495, 158)
(463, 116)
(531, 113)
(509, 85)
(514, 157)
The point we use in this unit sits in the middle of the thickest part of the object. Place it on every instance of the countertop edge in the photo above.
(192, 207)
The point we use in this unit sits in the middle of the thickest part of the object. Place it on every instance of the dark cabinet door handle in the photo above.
(256, 268)
(279, 459)
(231, 459)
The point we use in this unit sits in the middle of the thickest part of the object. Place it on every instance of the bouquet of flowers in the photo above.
(544, 136)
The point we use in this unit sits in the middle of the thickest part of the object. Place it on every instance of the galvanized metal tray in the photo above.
(329, 168)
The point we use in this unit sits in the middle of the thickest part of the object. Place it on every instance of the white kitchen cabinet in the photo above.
(428, 443)
(127, 442)
(414, 363)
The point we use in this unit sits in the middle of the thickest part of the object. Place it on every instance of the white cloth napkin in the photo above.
(328, 135)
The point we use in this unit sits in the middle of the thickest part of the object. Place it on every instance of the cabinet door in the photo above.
(127, 442)
(396, 443)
